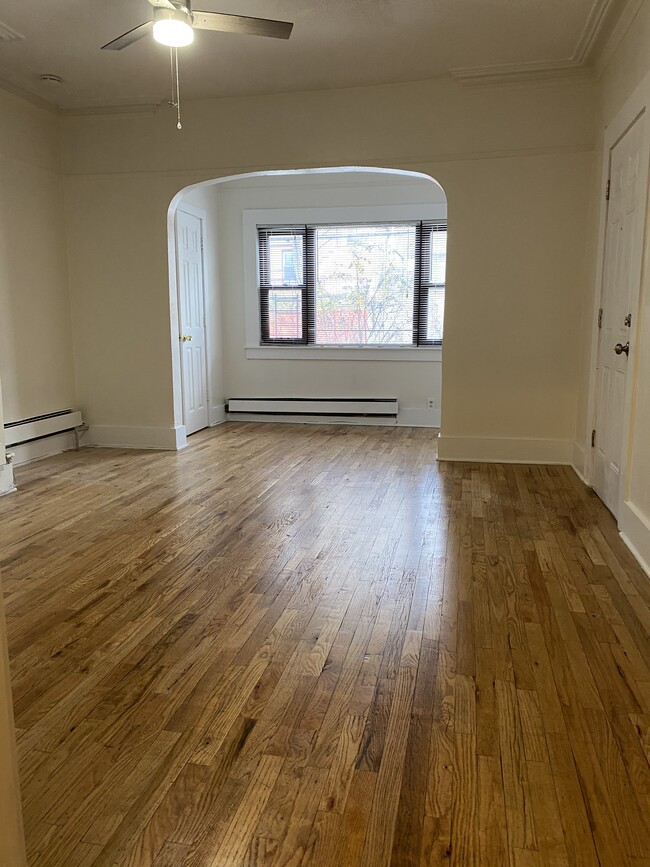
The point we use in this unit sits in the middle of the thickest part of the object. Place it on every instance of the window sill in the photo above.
(345, 353)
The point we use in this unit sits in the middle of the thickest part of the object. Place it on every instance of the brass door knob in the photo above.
(619, 349)
(186, 338)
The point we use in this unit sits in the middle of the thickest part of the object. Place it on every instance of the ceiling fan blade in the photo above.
(129, 37)
(242, 24)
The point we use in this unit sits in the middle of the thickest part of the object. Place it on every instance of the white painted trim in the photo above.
(623, 24)
(515, 73)
(217, 415)
(504, 451)
(570, 68)
(165, 438)
(344, 353)
(52, 445)
(592, 30)
(7, 485)
(193, 210)
(635, 532)
(578, 462)
(146, 105)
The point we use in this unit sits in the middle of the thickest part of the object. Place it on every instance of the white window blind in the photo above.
(352, 285)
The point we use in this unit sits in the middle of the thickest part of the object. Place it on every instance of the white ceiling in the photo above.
(335, 43)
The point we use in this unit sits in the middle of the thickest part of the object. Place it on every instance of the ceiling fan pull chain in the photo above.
(175, 101)
(172, 101)
(179, 125)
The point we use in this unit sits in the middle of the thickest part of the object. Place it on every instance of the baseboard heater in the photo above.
(17, 433)
(338, 407)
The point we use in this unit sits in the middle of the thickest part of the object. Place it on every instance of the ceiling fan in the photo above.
(174, 23)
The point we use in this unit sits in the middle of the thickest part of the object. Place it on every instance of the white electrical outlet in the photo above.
(431, 404)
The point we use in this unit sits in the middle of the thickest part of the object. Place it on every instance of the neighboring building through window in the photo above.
(377, 284)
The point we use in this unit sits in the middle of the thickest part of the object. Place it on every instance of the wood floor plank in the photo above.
(317, 646)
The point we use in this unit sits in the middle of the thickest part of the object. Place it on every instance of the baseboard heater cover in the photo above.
(17, 433)
(350, 407)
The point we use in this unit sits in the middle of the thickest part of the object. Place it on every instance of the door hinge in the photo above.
(593, 438)
(607, 187)
(600, 318)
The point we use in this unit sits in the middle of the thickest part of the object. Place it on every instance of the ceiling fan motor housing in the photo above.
(182, 12)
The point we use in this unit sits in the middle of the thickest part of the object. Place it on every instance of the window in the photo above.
(377, 284)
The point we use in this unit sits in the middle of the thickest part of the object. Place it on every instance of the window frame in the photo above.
(266, 286)
(424, 230)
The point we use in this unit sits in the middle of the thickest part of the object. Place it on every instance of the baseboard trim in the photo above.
(578, 462)
(582, 478)
(7, 485)
(504, 451)
(634, 528)
(163, 438)
(217, 415)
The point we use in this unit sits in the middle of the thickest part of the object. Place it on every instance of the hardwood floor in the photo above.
(297, 645)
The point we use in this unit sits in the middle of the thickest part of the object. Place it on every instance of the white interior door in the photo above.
(191, 292)
(621, 274)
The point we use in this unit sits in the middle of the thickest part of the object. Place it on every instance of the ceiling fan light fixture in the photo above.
(172, 27)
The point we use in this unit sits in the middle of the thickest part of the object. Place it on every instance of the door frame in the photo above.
(200, 214)
(635, 108)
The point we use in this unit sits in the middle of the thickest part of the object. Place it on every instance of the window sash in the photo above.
(267, 286)
(307, 289)
(421, 336)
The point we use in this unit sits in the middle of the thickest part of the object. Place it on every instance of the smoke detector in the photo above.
(48, 78)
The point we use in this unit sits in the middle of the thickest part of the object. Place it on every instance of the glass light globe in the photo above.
(172, 29)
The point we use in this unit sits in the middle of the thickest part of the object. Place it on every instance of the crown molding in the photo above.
(148, 105)
(9, 84)
(620, 28)
(592, 30)
(579, 65)
(515, 73)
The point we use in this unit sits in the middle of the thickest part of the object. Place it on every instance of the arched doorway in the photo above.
(238, 364)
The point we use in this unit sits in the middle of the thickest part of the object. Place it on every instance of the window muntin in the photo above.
(373, 284)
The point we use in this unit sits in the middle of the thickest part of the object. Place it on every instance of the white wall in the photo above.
(325, 196)
(516, 165)
(36, 358)
(35, 333)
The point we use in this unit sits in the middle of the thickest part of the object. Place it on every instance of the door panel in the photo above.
(620, 272)
(191, 295)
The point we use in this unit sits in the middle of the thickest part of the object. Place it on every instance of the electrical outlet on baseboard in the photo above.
(431, 403)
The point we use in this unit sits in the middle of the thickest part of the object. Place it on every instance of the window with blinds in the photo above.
(378, 284)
